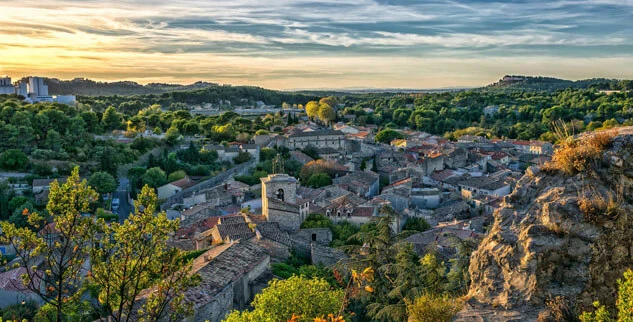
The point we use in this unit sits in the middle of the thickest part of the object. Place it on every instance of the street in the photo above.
(125, 208)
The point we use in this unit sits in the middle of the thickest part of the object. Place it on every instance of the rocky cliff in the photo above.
(562, 233)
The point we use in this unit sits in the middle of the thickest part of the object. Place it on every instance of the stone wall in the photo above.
(325, 255)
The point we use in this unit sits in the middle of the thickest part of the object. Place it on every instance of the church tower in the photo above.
(279, 197)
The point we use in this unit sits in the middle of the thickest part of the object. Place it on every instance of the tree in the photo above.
(154, 177)
(172, 135)
(111, 120)
(176, 175)
(136, 258)
(624, 303)
(312, 109)
(53, 141)
(62, 244)
(388, 135)
(326, 113)
(329, 100)
(102, 182)
(136, 124)
(319, 180)
(416, 224)
(296, 296)
(13, 160)
(242, 157)
(363, 165)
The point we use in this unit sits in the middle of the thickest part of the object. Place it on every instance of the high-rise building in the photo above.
(6, 87)
(36, 87)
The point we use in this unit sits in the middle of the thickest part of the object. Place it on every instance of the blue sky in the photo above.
(317, 44)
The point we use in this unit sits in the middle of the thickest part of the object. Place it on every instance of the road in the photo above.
(121, 192)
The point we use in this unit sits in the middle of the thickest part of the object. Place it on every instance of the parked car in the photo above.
(115, 204)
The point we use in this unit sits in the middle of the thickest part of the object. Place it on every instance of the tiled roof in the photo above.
(235, 231)
(325, 132)
(183, 183)
(12, 280)
(228, 263)
(270, 230)
(363, 212)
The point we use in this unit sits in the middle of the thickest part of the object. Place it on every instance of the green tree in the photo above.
(63, 244)
(154, 177)
(416, 224)
(388, 135)
(624, 303)
(13, 160)
(53, 141)
(172, 135)
(111, 120)
(176, 175)
(319, 180)
(102, 182)
(298, 296)
(136, 258)
(242, 157)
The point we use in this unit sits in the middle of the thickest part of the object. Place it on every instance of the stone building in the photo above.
(279, 201)
(325, 138)
(230, 275)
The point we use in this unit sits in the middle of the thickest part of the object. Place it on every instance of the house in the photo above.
(426, 198)
(362, 183)
(300, 157)
(172, 188)
(488, 186)
(12, 289)
(328, 153)
(319, 138)
(229, 274)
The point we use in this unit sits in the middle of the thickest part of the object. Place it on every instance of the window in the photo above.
(314, 237)
(280, 194)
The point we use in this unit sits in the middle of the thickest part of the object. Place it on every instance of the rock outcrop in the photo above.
(558, 235)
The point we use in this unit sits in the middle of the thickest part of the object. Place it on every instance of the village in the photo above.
(454, 186)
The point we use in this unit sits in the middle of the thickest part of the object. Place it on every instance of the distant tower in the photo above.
(6, 87)
(279, 197)
(37, 87)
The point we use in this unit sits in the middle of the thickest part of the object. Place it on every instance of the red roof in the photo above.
(200, 226)
(183, 183)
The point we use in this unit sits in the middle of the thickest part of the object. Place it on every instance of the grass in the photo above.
(580, 155)
(595, 206)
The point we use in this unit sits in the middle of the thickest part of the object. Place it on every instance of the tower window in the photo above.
(280, 194)
(313, 237)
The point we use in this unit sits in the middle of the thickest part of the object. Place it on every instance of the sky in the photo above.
(301, 44)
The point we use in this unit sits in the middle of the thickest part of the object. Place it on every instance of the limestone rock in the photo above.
(542, 246)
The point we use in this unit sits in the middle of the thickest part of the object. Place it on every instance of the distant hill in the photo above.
(551, 84)
(87, 87)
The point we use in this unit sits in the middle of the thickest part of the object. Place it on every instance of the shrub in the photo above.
(559, 309)
(580, 155)
(595, 207)
(624, 304)
(433, 308)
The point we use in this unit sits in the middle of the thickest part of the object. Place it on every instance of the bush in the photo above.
(284, 270)
(558, 309)
(416, 224)
(595, 207)
(580, 155)
(624, 304)
(433, 308)
(242, 157)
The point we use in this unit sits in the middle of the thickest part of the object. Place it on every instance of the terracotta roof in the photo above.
(363, 212)
(12, 280)
(183, 183)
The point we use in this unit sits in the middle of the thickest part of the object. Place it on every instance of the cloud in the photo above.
(107, 37)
